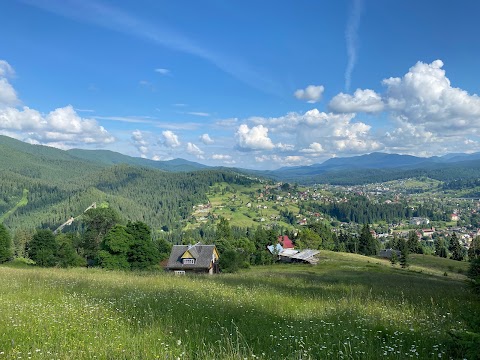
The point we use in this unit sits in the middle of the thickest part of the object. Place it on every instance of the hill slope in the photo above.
(61, 183)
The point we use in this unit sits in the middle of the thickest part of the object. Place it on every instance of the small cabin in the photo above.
(196, 258)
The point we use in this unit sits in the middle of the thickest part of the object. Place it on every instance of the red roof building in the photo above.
(285, 241)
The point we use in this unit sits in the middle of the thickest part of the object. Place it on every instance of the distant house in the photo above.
(307, 256)
(285, 241)
(196, 258)
(387, 253)
(454, 217)
(419, 221)
(428, 232)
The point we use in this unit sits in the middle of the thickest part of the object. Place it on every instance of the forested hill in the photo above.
(43, 187)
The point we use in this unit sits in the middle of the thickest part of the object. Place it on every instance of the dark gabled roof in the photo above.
(202, 254)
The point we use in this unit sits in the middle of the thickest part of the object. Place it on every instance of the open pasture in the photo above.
(347, 307)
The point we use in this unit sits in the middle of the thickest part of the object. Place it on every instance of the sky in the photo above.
(241, 83)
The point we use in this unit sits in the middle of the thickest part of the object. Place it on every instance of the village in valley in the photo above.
(425, 209)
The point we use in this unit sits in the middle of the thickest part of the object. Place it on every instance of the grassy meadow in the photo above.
(347, 307)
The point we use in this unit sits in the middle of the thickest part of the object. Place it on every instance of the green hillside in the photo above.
(60, 184)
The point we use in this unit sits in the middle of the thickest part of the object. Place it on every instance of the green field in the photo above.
(231, 202)
(347, 307)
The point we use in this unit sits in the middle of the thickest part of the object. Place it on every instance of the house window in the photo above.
(179, 272)
(188, 261)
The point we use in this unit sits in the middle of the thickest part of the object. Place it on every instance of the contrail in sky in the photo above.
(351, 37)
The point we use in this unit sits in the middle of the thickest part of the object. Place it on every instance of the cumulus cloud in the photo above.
(424, 96)
(314, 148)
(140, 143)
(205, 138)
(311, 93)
(336, 132)
(255, 138)
(6, 69)
(8, 95)
(193, 149)
(362, 101)
(170, 139)
(63, 125)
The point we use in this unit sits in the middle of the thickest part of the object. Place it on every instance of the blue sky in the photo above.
(253, 84)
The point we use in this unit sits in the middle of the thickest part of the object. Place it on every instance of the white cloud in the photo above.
(362, 101)
(170, 139)
(227, 122)
(333, 131)
(8, 95)
(162, 71)
(351, 37)
(294, 159)
(6, 70)
(205, 138)
(285, 147)
(290, 160)
(311, 93)
(198, 113)
(255, 138)
(60, 125)
(424, 96)
(226, 159)
(314, 148)
(221, 157)
(193, 149)
(140, 143)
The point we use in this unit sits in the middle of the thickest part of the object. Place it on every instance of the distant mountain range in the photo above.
(31, 160)
(377, 166)
(10, 148)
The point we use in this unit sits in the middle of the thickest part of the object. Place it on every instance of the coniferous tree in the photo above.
(404, 255)
(412, 243)
(5, 244)
(440, 248)
(223, 235)
(394, 258)
(368, 245)
(455, 248)
(474, 249)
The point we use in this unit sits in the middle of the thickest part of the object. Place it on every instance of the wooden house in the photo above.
(196, 258)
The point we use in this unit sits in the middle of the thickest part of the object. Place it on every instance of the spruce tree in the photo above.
(404, 255)
(455, 248)
(474, 249)
(368, 245)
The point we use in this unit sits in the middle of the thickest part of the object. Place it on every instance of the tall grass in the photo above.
(346, 307)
